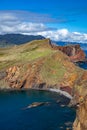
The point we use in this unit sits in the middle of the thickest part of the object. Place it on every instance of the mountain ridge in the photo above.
(40, 64)
(7, 40)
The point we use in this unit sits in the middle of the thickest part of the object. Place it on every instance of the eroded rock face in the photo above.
(73, 51)
(81, 116)
(24, 76)
(54, 70)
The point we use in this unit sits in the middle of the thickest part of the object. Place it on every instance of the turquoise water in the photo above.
(54, 116)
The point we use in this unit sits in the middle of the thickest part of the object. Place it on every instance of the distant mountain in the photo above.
(17, 39)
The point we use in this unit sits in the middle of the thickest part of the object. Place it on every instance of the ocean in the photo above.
(55, 115)
(83, 64)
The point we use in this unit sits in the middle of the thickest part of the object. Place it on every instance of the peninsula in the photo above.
(42, 65)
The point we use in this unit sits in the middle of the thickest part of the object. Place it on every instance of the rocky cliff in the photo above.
(81, 116)
(73, 51)
(80, 99)
(42, 65)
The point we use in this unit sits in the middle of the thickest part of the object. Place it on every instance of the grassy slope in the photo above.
(56, 68)
(24, 53)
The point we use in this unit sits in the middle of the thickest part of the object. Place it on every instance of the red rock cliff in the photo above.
(73, 51)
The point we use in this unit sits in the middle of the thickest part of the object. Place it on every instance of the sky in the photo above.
(59, 20)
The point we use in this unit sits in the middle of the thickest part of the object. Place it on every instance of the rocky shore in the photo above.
(42, 65)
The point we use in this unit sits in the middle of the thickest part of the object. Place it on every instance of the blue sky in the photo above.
(46, 17)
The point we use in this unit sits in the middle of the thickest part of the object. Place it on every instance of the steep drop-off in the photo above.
(73, 51)
(42, 65)
(81, 116)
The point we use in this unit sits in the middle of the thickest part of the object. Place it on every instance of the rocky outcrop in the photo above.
(73, 51)
(41, 65)
(36, 104)
(81, 116)
(41, 75)
(55, 71)
(80, 101)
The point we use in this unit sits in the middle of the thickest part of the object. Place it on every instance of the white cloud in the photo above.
(11, 23)
(65, 35)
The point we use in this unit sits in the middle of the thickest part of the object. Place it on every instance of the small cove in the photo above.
(54, 116)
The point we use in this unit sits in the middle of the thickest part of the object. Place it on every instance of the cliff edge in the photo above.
(42, 65)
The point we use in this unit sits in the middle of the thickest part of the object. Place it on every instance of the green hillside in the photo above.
(24, 53)
(34, 63)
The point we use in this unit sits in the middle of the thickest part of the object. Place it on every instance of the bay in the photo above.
(52, 116)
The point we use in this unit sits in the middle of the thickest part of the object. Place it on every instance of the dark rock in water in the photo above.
(37, 104)
(62, 105)
(61, 127)
(49, 116)
(68, 123)
(64, 101)
(68, 129)
(51, 71)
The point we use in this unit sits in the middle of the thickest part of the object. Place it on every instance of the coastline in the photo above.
(62, 93)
